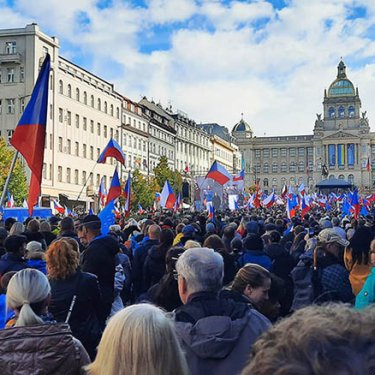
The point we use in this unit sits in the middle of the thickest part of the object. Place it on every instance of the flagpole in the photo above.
(87, 179)
(8, 178)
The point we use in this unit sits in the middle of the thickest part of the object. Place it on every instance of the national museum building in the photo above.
(340, 146)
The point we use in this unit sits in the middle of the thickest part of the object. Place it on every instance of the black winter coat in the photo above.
(154, 267)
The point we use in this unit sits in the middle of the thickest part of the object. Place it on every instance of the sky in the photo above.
(215, 59)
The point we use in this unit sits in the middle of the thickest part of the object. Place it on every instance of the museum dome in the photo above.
(341, 86)
(242, 126)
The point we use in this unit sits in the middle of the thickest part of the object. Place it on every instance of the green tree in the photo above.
(163, 173)
(141, 191)
(18, 186)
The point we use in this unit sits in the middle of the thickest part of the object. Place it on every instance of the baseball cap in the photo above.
(188, 229)
(329, 236)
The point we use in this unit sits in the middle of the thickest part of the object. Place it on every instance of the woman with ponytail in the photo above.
(34, 343)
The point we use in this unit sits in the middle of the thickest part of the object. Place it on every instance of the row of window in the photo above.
(84, 98)
(190, 149)
(283, 152)
(223, 154)
(192, 135)
(275, 168)
(10, 48)
(157, 133)
(12, 75)
(341, 112)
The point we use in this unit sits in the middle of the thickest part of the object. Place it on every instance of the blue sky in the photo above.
(216, 59)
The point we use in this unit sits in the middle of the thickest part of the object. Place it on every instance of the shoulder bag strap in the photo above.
(76, 288)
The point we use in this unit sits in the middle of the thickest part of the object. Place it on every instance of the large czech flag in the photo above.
(218, 173)
(115, 189)
(113, 149)
(30, 134)
(167, 197)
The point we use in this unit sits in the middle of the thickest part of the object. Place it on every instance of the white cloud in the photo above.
(222, 60)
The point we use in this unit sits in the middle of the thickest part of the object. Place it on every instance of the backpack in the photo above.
(306, 277)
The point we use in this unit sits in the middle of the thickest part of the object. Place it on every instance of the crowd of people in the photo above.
(245, 292)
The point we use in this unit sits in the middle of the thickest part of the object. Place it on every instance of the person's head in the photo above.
(34, 250)
(33, 226)
(214, 242)
(254, 282)
(229, 232)
(360, 244)
(335, 221)
(275, 236)
(9, 222)
(62, 260)
(166, 238)
(331, 242)
(319, 340)
(154, 232)
(67, 224)
(17, 228)
(89, 228)
(171, 258)
(210, 228)
(253, 242)
(15, 244)
(236, 244)
(45, 227)
(190, 244)
(189, 231)
(139, 339)
(28, 295)
(199, 270)
(179, 227)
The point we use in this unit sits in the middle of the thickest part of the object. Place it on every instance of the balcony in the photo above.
(14, 58)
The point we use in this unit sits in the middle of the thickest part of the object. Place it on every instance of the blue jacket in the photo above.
(367, 295)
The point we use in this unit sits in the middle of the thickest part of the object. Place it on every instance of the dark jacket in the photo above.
(11, 262)
(257, 257)
(139, 258)
(88, 304)
(154, 267)
(99, 259)
(48, 349)
(217, 334)
(36, 236)
(48, 237)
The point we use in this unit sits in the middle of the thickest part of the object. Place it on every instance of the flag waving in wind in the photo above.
(240, 176)
(127, 195)
(113, 149)
(218, 173)
(30, 134)
(167, 197)
(115, 189)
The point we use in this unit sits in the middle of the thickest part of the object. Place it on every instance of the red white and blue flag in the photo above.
(58, 207)
(127, 195)
(140, 209)
(178, 203)
(218, 173)
(113, 150)
(157, 197)
(115, 189)
(305, 207)
(30, 134)
(102, 192)
(167, 197)
(240, 176)
(269, 200)
(356, 207)
(10, 201)
(211, 212)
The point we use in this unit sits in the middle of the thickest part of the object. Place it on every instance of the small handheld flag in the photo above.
(115, 189)
(30, 134)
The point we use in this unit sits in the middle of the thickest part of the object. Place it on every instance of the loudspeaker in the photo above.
(185, 190)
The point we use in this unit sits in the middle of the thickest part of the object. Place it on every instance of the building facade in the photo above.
(340, 146)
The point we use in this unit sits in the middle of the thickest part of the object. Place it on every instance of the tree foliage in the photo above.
(18, 186)
(143, 190)
(163, 173)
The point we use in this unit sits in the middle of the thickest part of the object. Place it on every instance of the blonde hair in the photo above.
(16, 228)
(139, 339)
(27, 291)
(62, 259)
(190, 244)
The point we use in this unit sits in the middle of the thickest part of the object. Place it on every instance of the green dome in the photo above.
(341, 86)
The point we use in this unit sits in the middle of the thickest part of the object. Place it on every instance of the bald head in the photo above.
(154, 232)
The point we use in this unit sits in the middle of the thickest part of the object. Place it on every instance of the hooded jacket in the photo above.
(48, 349)
(217, 334)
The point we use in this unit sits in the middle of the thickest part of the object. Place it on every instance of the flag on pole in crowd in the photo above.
(301, 188)
(218, 173)
(356, 207)
(269, 200)
(364, 211)
(102, 192)
(58, 207)
(115, 189)
(10, 201)
(126, 194)
(178, 203)
(240, 176)
(24, 204)
(30, 134)
(113, 149)
(211, 211)
(91, 211)
(157, 197)
(290, 208)
(305, 207)
(67, 211)
(140, 209)
(368, 165)
(284, 191)
(167, 197)
(107, 216)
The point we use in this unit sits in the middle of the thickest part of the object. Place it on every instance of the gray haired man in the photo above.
(216, 334)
